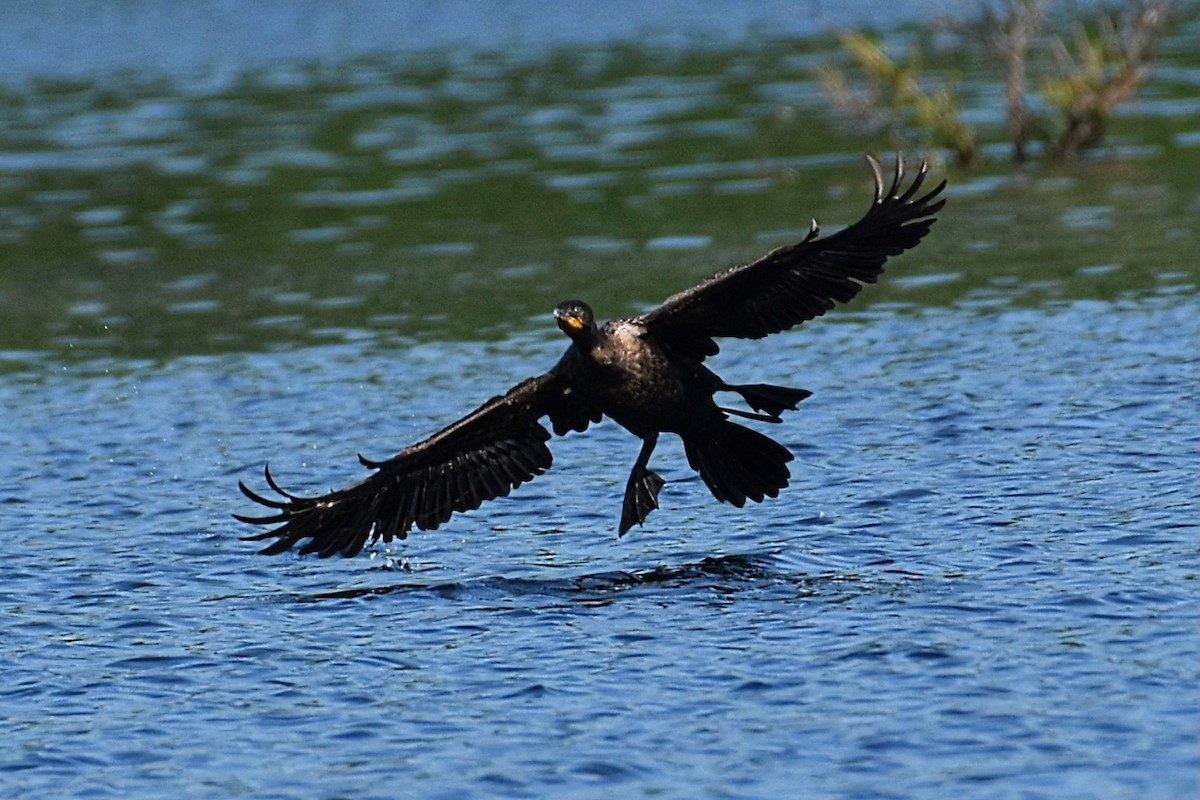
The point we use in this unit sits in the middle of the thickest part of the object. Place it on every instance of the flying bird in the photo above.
(646, 373)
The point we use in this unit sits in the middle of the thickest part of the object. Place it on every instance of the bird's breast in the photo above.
(637, 383)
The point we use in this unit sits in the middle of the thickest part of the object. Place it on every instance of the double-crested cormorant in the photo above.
(646, 373)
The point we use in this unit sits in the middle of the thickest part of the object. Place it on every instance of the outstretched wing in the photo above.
(485, 455)
(798, 282)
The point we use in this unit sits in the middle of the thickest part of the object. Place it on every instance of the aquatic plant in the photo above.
(1081, 87)
(894, 97)
(1109, 65)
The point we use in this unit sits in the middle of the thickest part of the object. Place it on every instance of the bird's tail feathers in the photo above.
(737, 463)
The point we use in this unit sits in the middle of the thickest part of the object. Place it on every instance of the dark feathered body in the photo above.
(633, 380)
(646, 373)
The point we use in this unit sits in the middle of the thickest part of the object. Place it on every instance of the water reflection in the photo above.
(442, 197)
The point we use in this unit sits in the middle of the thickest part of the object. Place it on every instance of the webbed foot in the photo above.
(641, 497)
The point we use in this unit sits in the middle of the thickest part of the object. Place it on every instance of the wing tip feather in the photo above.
(877, 174)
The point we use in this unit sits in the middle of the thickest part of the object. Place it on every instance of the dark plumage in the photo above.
(646, 373)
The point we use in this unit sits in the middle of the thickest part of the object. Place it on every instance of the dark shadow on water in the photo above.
(725, 574)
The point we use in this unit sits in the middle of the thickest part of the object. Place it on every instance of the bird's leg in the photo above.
(641, 492)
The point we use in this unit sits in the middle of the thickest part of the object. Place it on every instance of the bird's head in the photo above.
(574, 318)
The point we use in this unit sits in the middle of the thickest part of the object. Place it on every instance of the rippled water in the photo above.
(981, 583)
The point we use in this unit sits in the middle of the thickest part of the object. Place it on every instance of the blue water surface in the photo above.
(981, 583)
